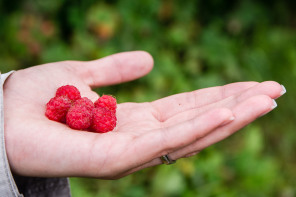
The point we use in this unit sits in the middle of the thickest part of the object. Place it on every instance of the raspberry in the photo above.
(69, 91)
(106, 101)
(104, 120)
(57, 108)
(85, 101)
(81, 113)
(79, 117)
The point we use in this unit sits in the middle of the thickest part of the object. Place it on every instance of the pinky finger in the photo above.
(166, 140)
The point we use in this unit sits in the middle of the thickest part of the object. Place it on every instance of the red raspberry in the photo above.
(57, 108)
(81, 113)
(107, 101)
(69, 91)
(85, 101)
(79, 117)
(104, 120)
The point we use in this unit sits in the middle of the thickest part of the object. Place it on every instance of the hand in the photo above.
(180, 125)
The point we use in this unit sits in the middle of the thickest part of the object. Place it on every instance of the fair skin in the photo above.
(179, 125)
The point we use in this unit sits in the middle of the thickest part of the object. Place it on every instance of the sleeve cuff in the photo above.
(7, 185)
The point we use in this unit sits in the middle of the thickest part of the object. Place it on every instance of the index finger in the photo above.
(169, 106)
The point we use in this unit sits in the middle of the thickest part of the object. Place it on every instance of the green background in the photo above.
(195, 44)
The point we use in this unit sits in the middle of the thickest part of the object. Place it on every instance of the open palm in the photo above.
(180, 125)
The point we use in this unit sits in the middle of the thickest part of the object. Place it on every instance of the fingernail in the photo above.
(274, 104)
(192, 154)
(283, 90)
(228, 121)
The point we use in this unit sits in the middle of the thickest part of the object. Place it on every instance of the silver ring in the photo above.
(167, 160)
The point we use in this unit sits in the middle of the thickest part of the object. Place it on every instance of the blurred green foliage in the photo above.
(195, 44)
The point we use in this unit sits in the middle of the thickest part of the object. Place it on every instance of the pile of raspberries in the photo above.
(81, 113)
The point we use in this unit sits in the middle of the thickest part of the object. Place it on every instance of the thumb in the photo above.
(113, 69)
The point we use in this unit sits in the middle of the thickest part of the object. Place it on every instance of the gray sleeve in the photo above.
(18, 186)
(7, 185)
